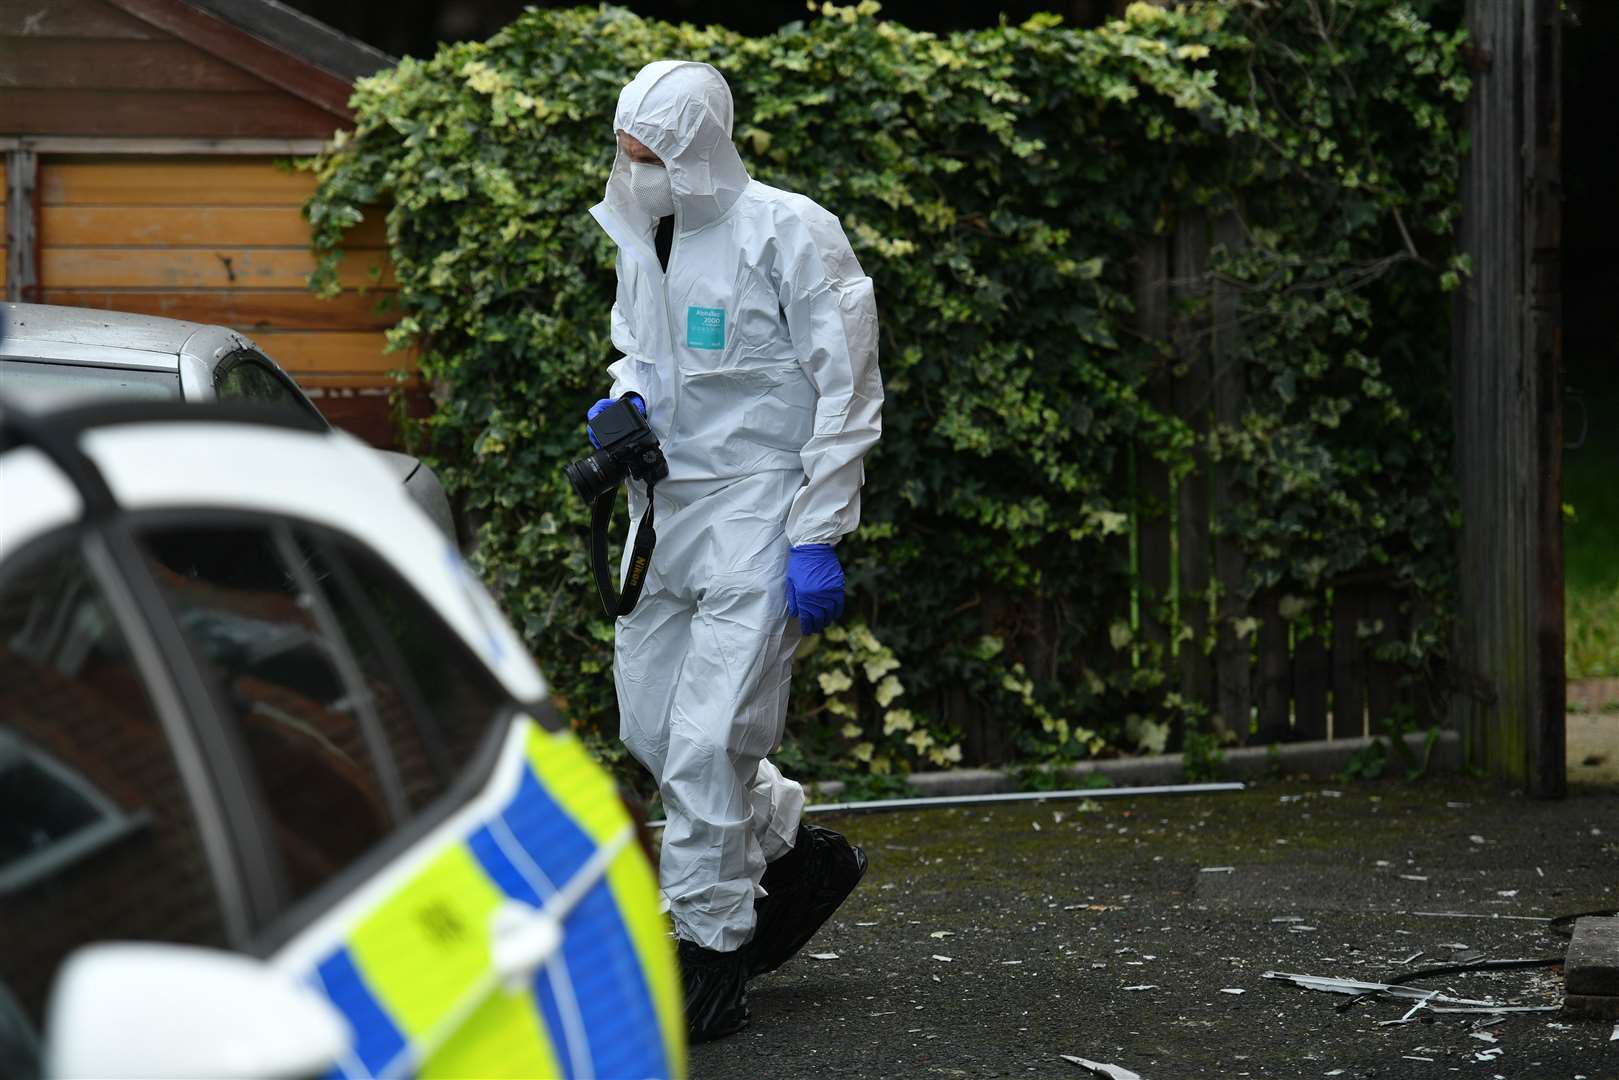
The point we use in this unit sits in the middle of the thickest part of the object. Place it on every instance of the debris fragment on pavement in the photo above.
(1356, 987)
(1097, 1068)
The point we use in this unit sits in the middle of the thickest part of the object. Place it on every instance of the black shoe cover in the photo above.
(805, 887)
(716, 988)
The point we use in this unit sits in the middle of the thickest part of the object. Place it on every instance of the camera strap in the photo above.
(646, 537)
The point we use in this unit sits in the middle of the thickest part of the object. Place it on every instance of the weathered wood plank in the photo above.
(248, 310)
(1191, 251)
(332, 352)
(120, 64)
(1348, 664)
(342, 383)
(36, 19)
(1228, 388)
(163, 112)
(199, 268)
(184, 226)
(366, 413)
(188, 182)
(1274, 683)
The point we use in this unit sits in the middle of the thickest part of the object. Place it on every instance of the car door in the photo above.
(447, 866)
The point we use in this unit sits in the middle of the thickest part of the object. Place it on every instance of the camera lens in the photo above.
(594, 476)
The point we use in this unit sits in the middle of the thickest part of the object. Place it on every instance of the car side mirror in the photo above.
(149, 1010)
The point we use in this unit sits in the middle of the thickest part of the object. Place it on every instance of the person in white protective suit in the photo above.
(749, 334)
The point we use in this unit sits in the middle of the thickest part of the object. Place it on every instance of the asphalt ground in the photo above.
(989, 942)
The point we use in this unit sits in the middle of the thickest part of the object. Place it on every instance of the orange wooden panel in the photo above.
(181, 226)
(126, 64)
(329, 384)
(247, 309)
(320, 351)
(200, 268)
(181, 181)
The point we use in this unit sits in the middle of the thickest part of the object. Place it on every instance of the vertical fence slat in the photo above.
(1348, 665)
(1153, 549)
(1192, 494)
(1381, 678)
(1275, 677)
(1312, 677)
(1228, 390)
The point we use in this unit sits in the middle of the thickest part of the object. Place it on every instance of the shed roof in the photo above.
(292, 31)
(269, 39)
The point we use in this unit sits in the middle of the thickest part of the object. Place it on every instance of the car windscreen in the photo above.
(49, 383)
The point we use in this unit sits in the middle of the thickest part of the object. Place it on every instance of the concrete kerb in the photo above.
(1241, 763)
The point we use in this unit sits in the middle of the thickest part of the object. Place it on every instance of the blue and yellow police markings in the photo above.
(409, 959)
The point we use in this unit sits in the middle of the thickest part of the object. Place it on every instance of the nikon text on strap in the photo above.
(646, 537)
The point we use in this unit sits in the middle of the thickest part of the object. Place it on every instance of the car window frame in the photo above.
(269, 894)
(151, 375)
(254, 358)
(275, 921)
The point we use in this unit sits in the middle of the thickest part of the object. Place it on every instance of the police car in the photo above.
(280, 791)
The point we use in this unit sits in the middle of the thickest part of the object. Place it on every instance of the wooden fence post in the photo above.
(22, 225)
(1508, 407)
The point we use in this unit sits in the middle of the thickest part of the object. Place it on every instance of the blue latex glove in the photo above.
(602, 403)
(814, 586)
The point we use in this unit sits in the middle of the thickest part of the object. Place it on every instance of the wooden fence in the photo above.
(1309, 672)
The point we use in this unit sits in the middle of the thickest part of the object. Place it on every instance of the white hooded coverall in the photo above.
(756, 356)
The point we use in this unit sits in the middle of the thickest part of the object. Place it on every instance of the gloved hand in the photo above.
(814, 586)
(602, 403)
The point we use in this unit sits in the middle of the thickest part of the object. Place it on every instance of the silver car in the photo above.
(52, 355)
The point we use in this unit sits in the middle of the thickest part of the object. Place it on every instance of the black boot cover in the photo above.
(805, 887)
(715, 984)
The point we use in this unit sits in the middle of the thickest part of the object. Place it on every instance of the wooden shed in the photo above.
(146, 147)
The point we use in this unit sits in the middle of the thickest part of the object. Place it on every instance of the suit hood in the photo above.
(682, 111)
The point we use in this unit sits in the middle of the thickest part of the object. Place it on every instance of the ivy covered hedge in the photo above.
(997, 186)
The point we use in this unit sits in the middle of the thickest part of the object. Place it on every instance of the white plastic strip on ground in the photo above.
(935, 801)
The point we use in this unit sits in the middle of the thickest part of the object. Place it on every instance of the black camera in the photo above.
(627, 447)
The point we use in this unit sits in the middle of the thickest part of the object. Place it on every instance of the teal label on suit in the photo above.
(705, 328)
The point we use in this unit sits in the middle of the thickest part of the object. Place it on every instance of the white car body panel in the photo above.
(34, 498)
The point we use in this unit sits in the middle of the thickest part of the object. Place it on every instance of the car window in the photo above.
(44, 384)
(436, 698)
(306, 722)
(98, 838)
(248, 379)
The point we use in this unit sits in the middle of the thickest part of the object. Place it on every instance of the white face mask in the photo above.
(649, 187)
